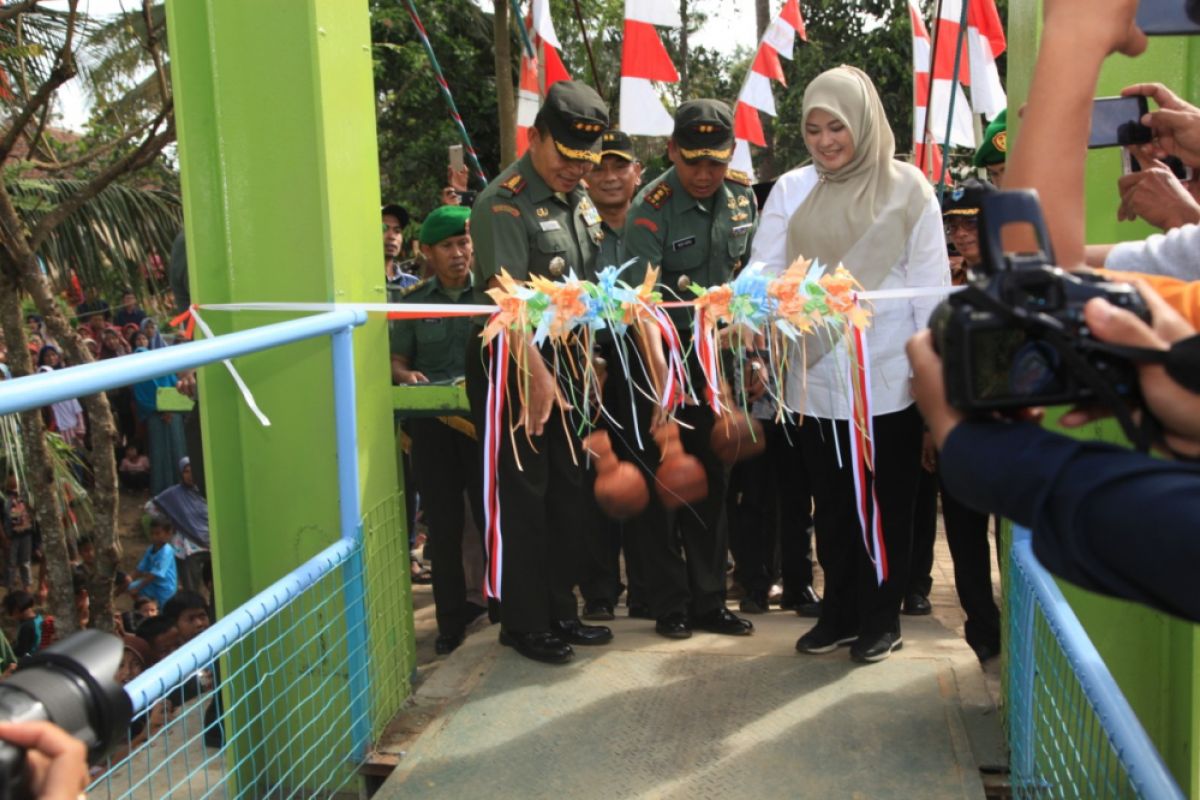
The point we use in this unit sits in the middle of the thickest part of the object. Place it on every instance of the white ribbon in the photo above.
(241, 384)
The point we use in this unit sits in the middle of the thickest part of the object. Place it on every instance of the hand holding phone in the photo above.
(456, 157)
(1117, 122)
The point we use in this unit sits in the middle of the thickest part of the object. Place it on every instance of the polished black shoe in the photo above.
(724, 621)
(673, 626)
(876, 648)
(986, 652)
(806, 602)
(600, 610)
(637, 611)
(542, 646)
(472, 612)
(754, 603)
(916, 605)
(822, 640)
(575, 632)
(447, 643)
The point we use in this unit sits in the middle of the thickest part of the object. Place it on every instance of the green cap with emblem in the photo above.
(617, 143)
(444, 222)
(576, 117)
(704, 130)
(994, 149)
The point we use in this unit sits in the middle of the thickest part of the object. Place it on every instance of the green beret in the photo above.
(444, 222)
(994, 149)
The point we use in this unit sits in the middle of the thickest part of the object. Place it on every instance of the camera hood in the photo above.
(1001, 209)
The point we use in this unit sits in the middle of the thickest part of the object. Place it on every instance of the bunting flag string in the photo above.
(756, 95)
(645, 60)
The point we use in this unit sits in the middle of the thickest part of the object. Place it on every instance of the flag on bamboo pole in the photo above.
(779, 40)
(532, 89)
(644, 60)
(927, 153)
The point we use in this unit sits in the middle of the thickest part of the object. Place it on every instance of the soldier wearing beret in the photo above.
(696, 223)
(445, 453)
(992, 155)
(536, 219)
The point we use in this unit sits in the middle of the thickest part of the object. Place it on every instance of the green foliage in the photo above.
(414, 124)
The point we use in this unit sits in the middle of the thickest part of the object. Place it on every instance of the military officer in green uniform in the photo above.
(536, 219)
(992, 155)
(611, 186)
(695, 223)
(445, 458)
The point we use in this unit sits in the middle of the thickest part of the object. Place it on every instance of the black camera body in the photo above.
(1016, 337)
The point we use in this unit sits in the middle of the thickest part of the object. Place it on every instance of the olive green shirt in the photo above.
(705, 240)
(519, 224)
(436, 346)
(612, 248)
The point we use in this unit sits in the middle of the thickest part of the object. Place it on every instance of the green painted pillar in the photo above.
(1154, 658)
(277, 148)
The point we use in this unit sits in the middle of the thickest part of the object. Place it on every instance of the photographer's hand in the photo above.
(1176, 123)
(56, 765)
(1175, 407)
(929, 388)
(1157, 196)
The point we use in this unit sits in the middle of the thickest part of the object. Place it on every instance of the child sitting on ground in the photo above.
(155, 576)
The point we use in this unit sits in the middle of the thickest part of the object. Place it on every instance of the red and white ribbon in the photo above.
(862, 454)
(492, 437)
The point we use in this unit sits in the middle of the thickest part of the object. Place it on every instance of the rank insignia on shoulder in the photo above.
(738, 177)
(658, 197)
(416, 287)
(515, 183)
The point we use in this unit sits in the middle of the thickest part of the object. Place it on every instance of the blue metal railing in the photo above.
(1071, 731)
(294, 654)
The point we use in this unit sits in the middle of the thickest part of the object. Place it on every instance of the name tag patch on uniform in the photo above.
(432, 321)
(505, 208)
(589, 213)
(741, 230)
(550, 225)
(648, 224)
(680, 244)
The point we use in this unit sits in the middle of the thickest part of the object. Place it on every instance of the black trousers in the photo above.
(920, 578)
(542, 509)
(770, 510)
(446, 464)
(967, 536)
(854, 603)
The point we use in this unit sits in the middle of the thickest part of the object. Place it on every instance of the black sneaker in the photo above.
(877, 648)
(822, 640)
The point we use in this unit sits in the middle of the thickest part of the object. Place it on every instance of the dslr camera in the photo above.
(73, 684)
(1015, 336)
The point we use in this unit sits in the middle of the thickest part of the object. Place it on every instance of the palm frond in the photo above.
(110, 240)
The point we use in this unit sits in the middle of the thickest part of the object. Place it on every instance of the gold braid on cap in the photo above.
(590, 156)
(718, 155)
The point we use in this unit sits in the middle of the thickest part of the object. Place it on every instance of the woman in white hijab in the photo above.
(858, 206)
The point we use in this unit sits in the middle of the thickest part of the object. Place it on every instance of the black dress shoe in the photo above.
(542, 646)
(575, 632)
(637, 611)
(916, 605)
(673, 626)
(724, 621)
(600, 610)
(823, 640)
(447, 643)
(754, 603)
(806, 602)
(986, 652)
(472, 612)
(876, 648)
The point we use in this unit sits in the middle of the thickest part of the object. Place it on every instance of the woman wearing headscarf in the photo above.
(154, 337)
(858, 206)
(164, 431)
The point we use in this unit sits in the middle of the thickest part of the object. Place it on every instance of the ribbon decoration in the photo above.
(493, 539)
(862, 454)
(192, 318)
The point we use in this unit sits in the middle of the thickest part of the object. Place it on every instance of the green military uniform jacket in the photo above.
(437, 346)
(705, 240)
(519, 224)
(612, 248)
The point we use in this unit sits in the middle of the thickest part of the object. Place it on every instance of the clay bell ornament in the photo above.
(736, 436)
(680, 478)
(620, 487)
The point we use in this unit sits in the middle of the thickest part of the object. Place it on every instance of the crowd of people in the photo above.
(574, 202)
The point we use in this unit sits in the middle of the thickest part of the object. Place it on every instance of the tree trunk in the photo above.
(40, 488)
(683, 51)
(102, 458)
(766, 169)
(762, 16)
(505, 92)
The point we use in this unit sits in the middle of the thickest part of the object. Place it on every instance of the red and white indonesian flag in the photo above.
(757, 94)
(529, 92)
(927, 155)
(643, 61)
(984, 41)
